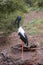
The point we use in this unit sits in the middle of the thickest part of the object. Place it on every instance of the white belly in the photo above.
(20, 30)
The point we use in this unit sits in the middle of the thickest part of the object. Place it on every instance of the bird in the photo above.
(21, 32)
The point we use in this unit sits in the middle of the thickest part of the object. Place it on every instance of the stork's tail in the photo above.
(26, 40)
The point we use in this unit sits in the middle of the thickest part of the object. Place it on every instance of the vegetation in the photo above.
(35, 2)
(35, 27)
(10, 9)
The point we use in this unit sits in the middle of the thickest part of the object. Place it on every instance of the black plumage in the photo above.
(24, 39)
(21, 31)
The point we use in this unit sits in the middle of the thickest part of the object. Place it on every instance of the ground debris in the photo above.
(40, 63)
(13, 56)
(25, 49)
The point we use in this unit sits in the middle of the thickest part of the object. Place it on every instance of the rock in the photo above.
(10, 63)
(20, 62)
(4, 52)
(40, 63)
(27, 62)
(33, 46)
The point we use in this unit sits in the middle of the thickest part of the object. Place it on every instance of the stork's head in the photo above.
(17, 21)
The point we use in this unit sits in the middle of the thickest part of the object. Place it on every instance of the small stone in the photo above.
(33, 46)
(10, 63)
(20, 62)
(4, 52)
(40, 63)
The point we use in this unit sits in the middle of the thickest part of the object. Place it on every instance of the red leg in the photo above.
(22, 51)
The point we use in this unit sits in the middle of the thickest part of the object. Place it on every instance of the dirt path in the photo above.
(31, 15)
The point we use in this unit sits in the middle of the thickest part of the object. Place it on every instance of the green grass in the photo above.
(37, 9)
(34, 27)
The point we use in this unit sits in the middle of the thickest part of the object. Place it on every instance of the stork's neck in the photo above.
(18, 25)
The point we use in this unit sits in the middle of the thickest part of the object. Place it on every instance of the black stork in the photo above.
(21, 34)
(21, 31)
